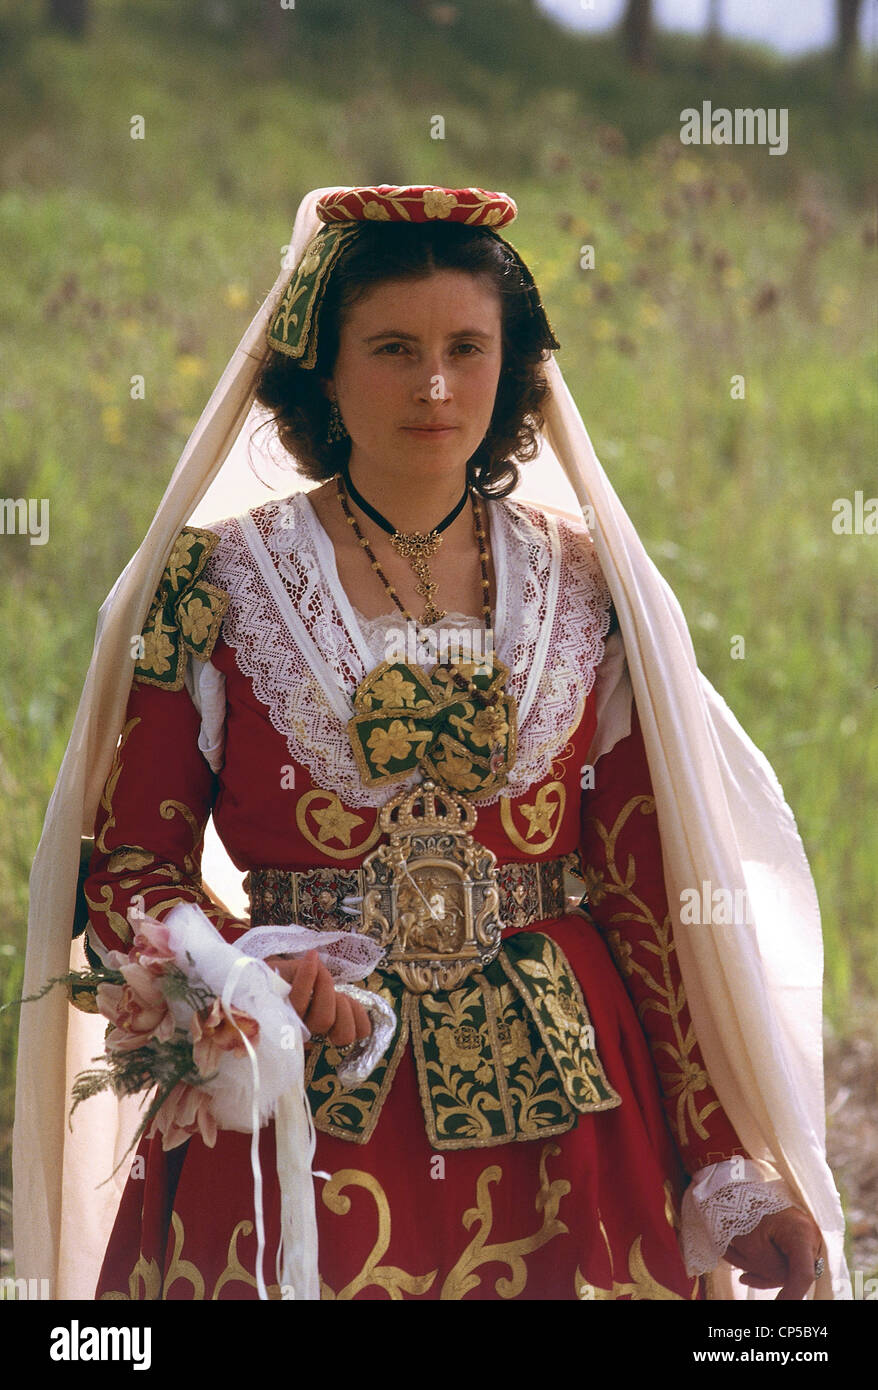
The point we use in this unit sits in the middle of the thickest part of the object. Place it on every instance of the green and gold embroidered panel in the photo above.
(406, 719)
(354, 1114)
(551, 992)
(508, 1056)
(186, 613)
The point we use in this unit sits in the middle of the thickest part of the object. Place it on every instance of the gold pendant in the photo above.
(430, 895)
(415, 547)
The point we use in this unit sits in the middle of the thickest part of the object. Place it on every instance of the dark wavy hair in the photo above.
(407, 251)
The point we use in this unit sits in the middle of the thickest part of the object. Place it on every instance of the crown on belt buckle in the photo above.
(430, 893)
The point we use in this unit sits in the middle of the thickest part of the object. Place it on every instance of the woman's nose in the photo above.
(434, 386)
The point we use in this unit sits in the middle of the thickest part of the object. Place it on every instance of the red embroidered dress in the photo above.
(468, 1170)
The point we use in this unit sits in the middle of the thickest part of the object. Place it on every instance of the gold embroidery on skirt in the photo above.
(144, 1283)
(680, 1076)
(463, 1278)
(393, 1280)
(641, 1286)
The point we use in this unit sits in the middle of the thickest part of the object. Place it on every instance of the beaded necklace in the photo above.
(431, 614)
(459, 680)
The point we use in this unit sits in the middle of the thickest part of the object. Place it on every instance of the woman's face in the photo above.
(417, 371)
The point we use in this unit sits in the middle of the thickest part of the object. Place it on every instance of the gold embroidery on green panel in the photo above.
(405, 718)
(501, 1059)
(463, 1277)
(539, 1103)
(483, 1074)
(540, 815)
(186, 613)
(687, 1078)
(353, 1115)
(541, 972)
(458, 1071)
(110, 787)
(393, 1280)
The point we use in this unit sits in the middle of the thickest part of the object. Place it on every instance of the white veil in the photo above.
(754, 991)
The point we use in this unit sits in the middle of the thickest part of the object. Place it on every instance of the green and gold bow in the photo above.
(406, 719)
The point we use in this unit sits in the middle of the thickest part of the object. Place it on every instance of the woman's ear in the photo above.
(327, 386)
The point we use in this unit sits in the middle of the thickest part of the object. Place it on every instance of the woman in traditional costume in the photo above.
(471, 728)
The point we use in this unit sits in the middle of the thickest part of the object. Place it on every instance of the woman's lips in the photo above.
(430, 429)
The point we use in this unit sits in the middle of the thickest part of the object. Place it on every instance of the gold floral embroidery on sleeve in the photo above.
(681, 1075)
(186, 613)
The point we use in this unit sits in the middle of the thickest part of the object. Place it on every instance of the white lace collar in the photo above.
(297, 636)
(325, 552)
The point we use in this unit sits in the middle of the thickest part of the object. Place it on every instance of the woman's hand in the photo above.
(314, 999)
(779, 1253)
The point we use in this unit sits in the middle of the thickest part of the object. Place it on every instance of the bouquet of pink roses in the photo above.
(210, 1027)
(214, 1064)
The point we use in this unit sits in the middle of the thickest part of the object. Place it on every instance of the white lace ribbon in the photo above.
(269, 1081)
(347, 955)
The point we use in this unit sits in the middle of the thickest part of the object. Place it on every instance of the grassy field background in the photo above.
(150, 256)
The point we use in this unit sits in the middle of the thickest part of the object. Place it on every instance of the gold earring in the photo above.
(336, 429)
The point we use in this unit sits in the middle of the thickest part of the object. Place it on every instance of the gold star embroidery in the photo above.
(335, 822)
(540, 814)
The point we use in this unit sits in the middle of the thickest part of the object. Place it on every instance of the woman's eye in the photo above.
(389, 349)
(468, 348)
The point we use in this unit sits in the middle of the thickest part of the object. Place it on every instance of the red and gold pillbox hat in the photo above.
(293, 328)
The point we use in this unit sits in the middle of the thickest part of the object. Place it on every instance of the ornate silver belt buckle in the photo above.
(430, 894)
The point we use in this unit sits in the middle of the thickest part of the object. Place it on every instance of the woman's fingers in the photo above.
(344, 1031)
(313, 996)
(362, 1021)
(304, 978)
(322, 1014)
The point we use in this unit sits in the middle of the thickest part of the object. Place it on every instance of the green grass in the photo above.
(149, 257)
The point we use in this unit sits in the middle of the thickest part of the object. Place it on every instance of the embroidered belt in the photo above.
(433, 898)
(528, 892)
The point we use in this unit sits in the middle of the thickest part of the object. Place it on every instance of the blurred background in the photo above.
(715, 305)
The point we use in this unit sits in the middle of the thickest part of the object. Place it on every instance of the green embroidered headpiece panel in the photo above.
(293, 329)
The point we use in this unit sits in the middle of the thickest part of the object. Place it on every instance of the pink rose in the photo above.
(187, 1111)
(213, 1033)
(152, 946)
(138, 1013)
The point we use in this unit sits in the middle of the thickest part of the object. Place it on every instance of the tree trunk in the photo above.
(71, 16)
(848, 19)
(712, 36)
(637, 33)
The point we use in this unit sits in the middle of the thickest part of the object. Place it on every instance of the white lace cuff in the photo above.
(723, 1201)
